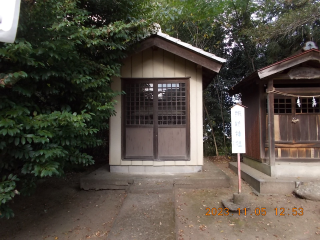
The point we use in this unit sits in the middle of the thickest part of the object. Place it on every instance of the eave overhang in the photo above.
(310, 55)
(210, 63)
(274, 70)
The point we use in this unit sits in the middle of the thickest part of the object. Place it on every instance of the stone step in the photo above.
(103, 179)
(262, 183)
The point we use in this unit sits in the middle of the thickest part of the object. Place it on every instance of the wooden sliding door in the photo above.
(296, 128)
(156, 119)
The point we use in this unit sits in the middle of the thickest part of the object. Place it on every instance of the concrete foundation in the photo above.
(262, 167)
(155, 169)
(309, 170)
(127, 177)
(265, 184)
(286, 169)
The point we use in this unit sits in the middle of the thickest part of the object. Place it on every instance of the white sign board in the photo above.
(238, 129)
(9, 17)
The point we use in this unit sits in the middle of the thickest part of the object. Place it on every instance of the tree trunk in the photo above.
(214, 139)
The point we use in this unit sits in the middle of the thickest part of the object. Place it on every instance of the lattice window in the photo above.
(172, 104)
(306, 106)
(282, 105)
(139, 103)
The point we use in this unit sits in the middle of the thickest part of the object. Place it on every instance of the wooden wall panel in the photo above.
(313, 128)
(147, 60)
(252, 122)
(316, 152)
(301, 137)
(115, 131)
(158, 67)
(296, 153)
(126, 68)
(302, 128)
(318, 127)
(267, 129)
(285, 127)
(139, 142)
(168, 64)
(308, 152)
(266, 152)
(172, 142)
(285, 152)
(301, 152)
(179, 67)
(198, 126)
(289, 128)
(276, 128)
(137, 66)
(191, 71)
(293, 152)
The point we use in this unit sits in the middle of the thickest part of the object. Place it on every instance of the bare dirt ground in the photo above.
(295, 218)
(60, 210)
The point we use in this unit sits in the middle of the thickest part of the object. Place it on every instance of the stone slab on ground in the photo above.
(309, 190)
(151, 185)
(103, 179)
(145, 216)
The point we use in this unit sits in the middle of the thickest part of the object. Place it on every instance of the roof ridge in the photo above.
(288, 58)
(191, 47)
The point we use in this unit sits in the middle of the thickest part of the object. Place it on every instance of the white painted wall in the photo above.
(160, 64)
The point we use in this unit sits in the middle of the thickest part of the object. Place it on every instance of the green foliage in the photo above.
(7, 192)
(250, 35)
(203, 24)
(196, 22)
(55, 96)
(282, 27)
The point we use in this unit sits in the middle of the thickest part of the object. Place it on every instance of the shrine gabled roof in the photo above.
(205, 59)
(312, 54)
(189, 46)
(278, 67)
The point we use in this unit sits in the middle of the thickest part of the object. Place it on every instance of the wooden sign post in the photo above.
(238, 135)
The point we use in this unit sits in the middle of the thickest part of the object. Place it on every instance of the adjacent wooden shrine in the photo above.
(283, 116)
(158, 125)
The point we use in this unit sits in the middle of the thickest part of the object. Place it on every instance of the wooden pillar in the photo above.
(272, 156)
(262, 120)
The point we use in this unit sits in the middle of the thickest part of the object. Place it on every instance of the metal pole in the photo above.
(239, 173)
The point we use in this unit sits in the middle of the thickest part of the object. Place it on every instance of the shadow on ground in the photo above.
(60, 210)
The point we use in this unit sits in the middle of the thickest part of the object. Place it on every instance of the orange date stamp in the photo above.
(282, 211)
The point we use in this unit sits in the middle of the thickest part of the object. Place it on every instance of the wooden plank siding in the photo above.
(296, 141)
(252, 122)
